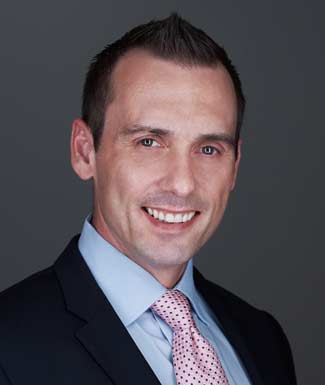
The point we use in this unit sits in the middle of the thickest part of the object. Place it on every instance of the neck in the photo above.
(168, 277)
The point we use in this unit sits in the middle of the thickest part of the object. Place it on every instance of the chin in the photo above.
(161, 257)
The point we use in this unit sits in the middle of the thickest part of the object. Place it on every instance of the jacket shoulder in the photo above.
(30, 297)
(37, 294)
(258, 327)
(239, 309)
(214, 293)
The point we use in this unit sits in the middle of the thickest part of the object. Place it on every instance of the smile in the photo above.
(168, 217)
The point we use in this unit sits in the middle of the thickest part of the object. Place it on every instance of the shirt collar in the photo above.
(130, 289)
(187, 287)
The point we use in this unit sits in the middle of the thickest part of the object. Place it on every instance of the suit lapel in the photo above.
(106, 339)
(103, 335)
(229, 327)
(111, 346)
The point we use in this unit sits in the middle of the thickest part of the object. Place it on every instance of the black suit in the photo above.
(57, 328)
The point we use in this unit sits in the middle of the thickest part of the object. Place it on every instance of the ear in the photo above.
(240, 142)
(82, 150)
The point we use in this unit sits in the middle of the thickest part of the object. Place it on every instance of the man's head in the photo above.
(166, 157)
(172, 39)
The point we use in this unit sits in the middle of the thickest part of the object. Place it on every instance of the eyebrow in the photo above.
(217, 137)
(228, 139)
(128, 131)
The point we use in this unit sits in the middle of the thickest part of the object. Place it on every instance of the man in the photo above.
(160, 139)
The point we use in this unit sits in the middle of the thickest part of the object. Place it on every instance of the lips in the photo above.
(170, 217)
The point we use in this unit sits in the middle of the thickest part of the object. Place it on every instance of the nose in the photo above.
(179, 175)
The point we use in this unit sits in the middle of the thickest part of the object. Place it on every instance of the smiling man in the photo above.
(160, 139)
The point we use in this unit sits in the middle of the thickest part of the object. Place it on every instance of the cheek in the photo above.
(108, 183)
(215, 188)
(125, 182)
(215, 178)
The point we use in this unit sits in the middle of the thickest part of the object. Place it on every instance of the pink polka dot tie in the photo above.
(195, 361)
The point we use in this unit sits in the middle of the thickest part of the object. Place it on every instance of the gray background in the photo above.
(269, 248)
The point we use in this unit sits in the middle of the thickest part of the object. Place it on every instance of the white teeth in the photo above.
(191, 215)
(178, 218)
(185, 217)
(169, 217)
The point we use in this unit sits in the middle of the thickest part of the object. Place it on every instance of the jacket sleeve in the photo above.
(284, 348)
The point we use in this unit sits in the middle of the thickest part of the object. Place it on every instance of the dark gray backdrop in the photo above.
(269, 248)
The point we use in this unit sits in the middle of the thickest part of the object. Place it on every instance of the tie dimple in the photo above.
(195, 361)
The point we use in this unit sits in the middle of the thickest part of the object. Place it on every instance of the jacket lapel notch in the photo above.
(108, 342)
(103, 335)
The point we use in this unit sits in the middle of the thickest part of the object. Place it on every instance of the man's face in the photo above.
(166, 162)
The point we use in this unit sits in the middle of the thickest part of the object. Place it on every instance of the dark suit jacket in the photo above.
(57, 328)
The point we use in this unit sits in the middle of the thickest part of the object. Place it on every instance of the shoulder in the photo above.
(217, 296)
(34, 321)
(27, 300)
(27, 312)
(257, 327)
(39, 299)
(242, 312)
(38, 294)
(30, 288)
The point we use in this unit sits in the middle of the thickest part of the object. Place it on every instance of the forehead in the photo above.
(154, 91)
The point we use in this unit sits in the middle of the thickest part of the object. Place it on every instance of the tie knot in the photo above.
(173, 307)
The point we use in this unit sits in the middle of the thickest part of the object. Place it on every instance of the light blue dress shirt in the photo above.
(131, 290)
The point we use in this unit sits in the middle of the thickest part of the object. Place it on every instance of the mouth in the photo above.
(168, 217)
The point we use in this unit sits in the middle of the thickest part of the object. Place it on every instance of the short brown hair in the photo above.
(173, 39)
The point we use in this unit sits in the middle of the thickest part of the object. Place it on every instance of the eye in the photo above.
(209, 150)
(148, 142)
